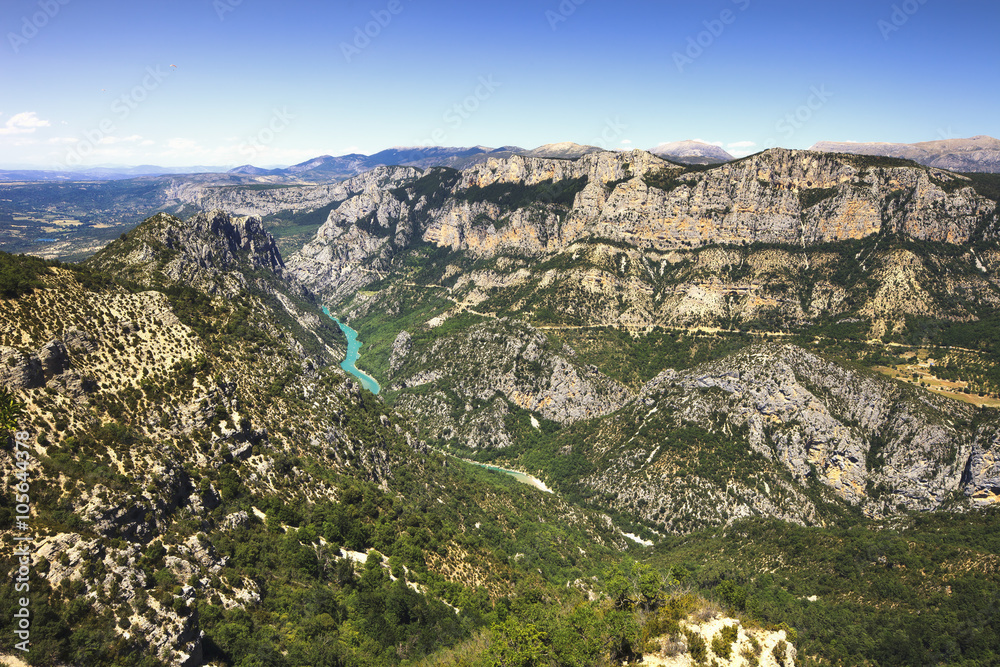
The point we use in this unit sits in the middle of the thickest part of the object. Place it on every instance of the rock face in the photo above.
(400, 348)
(792, 197)
(976, 154)
(629, 241)
(534, 206)
(49, 367)
(981, 478)
(53, 358)
(205, 252)
(357, 241)
(18, 371)
(869, 441)
(502, 359)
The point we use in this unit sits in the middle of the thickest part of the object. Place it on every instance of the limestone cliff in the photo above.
(535, 206)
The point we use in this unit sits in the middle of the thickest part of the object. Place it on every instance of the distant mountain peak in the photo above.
(980, 153)
(564, 149)
(692, 152)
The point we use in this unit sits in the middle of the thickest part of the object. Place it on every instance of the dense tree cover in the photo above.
(923, 592)
(512, 196)
(987, 185)
(663, 179)
(19, 274)
(811, 196)
(321, 612)
(315, 607)
(635, 359)
(65, 627)
(865, 161)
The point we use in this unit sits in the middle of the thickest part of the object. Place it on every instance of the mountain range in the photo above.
(976, 154)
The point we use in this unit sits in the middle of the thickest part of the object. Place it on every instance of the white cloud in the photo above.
(23, 123)
(178, 144)
(626, 141)
(110, 140)
(710, 143)
(742, 144)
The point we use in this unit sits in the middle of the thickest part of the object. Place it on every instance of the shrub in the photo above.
(697, 647)
(722, 642)
(779, 652)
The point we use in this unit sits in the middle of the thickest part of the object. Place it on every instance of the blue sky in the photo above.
(227, 82)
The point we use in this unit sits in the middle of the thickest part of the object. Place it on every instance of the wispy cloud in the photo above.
(742, 144)
(25, 122)
(111, 140)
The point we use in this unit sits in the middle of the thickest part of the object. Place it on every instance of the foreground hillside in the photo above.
(207, 485)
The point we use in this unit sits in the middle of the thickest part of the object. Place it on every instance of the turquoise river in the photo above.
(353, 352)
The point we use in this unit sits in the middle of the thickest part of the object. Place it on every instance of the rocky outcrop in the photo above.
(699, 639)
(50, 366)
(401, 347)
(167, 633)
(20, 371)
(207, 252)
(981, 477)
(53, 358)
(355, 244)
